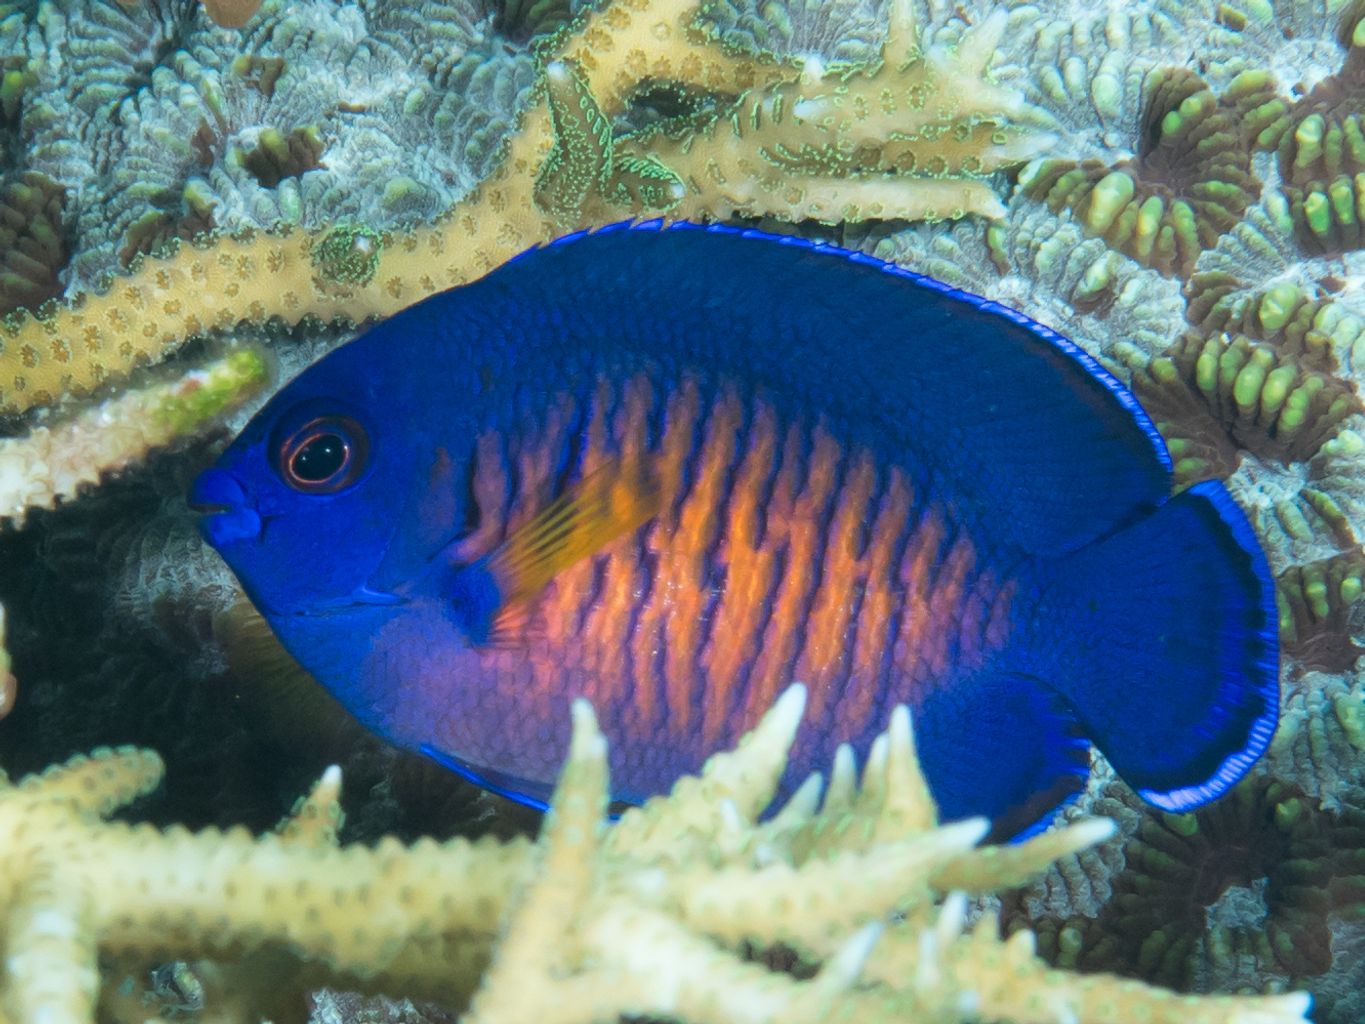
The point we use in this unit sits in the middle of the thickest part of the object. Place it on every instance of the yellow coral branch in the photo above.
(908, 138)
(9, 686)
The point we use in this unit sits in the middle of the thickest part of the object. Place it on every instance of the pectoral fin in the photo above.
(612, 501)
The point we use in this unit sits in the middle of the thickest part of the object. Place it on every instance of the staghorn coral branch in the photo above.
(910, 137)
(634, 41)
(942, 110)
(50, 942)
(844, 891)
(651, 916)
(1006, 981)
(54, 461)
(9, 686)
(316, 819)
(96, 785)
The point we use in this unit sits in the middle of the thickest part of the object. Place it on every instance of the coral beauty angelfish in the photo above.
(675, 469)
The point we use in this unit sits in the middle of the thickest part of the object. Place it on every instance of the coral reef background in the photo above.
(1195, 222)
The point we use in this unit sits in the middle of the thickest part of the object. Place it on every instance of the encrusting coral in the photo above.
(660, 914)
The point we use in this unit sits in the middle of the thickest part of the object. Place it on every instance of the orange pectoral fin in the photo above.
(613, 501)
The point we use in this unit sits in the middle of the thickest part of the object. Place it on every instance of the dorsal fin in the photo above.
(1004, 413)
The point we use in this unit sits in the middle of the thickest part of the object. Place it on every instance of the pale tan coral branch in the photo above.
(656, 915)
(316, 819)
(50, 942)
(910, 138)
(53, 461)
(632, 41)
(9, 686)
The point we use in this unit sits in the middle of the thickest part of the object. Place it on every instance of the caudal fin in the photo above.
(1162, 638)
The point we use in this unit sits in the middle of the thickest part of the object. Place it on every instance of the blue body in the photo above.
(1124, 617)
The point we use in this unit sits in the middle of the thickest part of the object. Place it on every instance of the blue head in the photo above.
(344, 472)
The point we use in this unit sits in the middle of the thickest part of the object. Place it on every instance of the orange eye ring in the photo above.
(325, 455)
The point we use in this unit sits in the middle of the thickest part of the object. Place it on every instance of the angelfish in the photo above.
(675, 469)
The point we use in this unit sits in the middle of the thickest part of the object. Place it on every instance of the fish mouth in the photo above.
(227, 514)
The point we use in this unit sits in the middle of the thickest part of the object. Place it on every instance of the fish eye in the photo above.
(325, 455)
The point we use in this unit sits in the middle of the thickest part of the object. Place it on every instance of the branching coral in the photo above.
(909, 137)
(9, 686)
(823, 149)
(656, 914)
(53, 461)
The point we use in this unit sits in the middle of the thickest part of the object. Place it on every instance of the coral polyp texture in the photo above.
(199, 199)
(665, 913)
(1189, 181)
(1320, 150)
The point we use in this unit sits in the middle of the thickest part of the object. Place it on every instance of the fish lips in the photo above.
(227, 515)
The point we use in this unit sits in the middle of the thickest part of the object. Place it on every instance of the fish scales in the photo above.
(705, 645)
(675, 470)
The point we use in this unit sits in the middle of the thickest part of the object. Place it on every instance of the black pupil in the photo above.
(320, 458)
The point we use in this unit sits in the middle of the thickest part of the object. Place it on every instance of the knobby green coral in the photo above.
(1258, 371)
(1254, 882)
(1317, 605)
(1320, 146)
(1188, 183)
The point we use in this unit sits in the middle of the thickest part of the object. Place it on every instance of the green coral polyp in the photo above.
(277, 155)
(1320, 148)
(33, 243)
(1315, 330)
(1316, 602)
(1190, 181)
(1270, 402)
(348, 255)
(1258, 371)
(1252, 878)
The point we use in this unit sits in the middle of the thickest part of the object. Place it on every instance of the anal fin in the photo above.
(1001, 745)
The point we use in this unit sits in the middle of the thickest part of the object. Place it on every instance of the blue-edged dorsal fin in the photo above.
(1015, 424)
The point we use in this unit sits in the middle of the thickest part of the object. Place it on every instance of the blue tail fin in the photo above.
(1162, 638)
